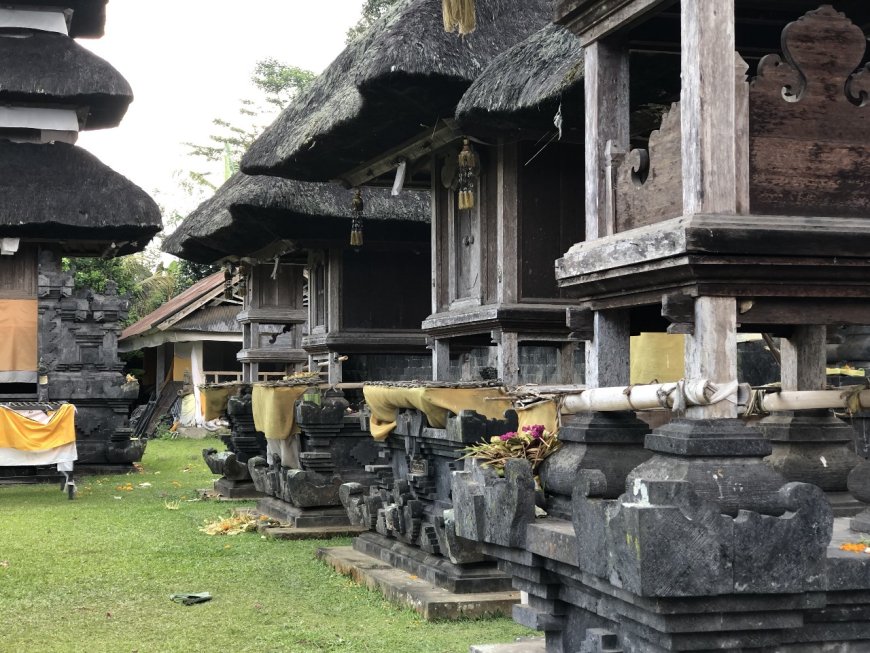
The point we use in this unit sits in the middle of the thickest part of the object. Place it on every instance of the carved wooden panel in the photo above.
(18, 274)
(810, 123)
(648, 184)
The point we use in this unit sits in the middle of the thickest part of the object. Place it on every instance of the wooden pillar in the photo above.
(708, 107)
(803, 359)
(509, 358)
(568, 353)
(607, 355)
(160, 369)
(507, 211)
(711, 353)
(607, 120)
(334, 369)
(441, 360)
(332, 286)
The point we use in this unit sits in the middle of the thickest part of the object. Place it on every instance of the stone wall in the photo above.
(78, 349)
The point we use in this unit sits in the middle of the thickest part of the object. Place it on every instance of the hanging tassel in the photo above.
(356, 226)
(467, 171)
(459, 16)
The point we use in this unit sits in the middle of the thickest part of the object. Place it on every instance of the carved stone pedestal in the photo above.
(814, 447)
(609, 442)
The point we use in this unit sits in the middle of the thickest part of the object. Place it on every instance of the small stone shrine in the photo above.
(745, 212)
(56, 201)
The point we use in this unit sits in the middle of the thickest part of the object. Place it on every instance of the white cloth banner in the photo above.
(66, 453)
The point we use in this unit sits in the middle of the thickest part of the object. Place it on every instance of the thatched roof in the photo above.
(62, 192)
(390, 85)
(48, 68)
(523, 87)
(88, 19)
(249, 212)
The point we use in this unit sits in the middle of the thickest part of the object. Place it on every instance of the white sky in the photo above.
(190, 61)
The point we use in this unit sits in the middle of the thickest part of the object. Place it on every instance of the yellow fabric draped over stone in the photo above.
(274, 410)
(657, 357)
(437, 403)
(18, 320)
(214, 400)
(24, 434)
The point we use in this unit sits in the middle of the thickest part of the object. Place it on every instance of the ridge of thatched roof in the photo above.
(88, 19)
(249, 212)
(524, 86)
(60, 191)
(391, 84)
(49, 68)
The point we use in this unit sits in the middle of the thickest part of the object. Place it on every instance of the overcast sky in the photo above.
(190, 61)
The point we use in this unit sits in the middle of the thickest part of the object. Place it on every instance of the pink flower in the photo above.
(536, 431)
(508, 436)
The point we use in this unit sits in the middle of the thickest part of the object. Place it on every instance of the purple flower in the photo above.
(536, 431)
(508, 436)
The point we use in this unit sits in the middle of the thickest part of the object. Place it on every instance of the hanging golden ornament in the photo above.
(356, 226)
(459, 16)
(467, 172)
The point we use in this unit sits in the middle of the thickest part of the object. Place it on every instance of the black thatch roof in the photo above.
(88, 19)
(48, 68)
(403, 76)
(62, 192)
(249, 212)
(524, 86)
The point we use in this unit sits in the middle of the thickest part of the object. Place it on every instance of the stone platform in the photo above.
(321, 533)
(229, 489)
(312, 518)
(431, 602)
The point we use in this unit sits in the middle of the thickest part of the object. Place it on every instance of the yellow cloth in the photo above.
(657, 356)
(274, 410)
(545, 413)
(25, 434)
(214, 400)
(436, 403)
(18, 320)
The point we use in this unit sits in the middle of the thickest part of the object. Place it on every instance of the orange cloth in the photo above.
(25, 434)
(18, 320)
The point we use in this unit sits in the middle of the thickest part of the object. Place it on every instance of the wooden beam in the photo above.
(592, 20)
(441, 360)
(711, 353)
(831, 312)
(509, 358)
(708, 107)
(411, 150)
(679, 309)
(607, 120)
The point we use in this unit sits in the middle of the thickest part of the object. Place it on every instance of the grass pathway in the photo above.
(95, 574)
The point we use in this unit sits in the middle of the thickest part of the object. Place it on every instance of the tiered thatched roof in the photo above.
(393, 83)
(88, 19)
(250, 212)
(47, 68)
(523, 88)
(62, 192)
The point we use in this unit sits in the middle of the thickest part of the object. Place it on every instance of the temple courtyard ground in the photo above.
(95, 574)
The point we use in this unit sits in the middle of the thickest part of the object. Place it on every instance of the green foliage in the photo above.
(95, 574)
(371, 11)
(93, 273)
(279, 84)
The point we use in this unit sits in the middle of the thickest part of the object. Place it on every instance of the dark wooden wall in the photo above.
(386, 290)
(551, 213)
(283, 292)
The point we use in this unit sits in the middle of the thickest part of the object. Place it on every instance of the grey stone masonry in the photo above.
(78, 336)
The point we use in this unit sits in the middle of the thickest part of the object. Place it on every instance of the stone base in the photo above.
(287, 513)
(322, 533)
(844, 504)
(431, 602)
(236, 489)
(525, 645)
(459, 579)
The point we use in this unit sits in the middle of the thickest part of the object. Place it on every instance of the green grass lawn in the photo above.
(95, 575)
